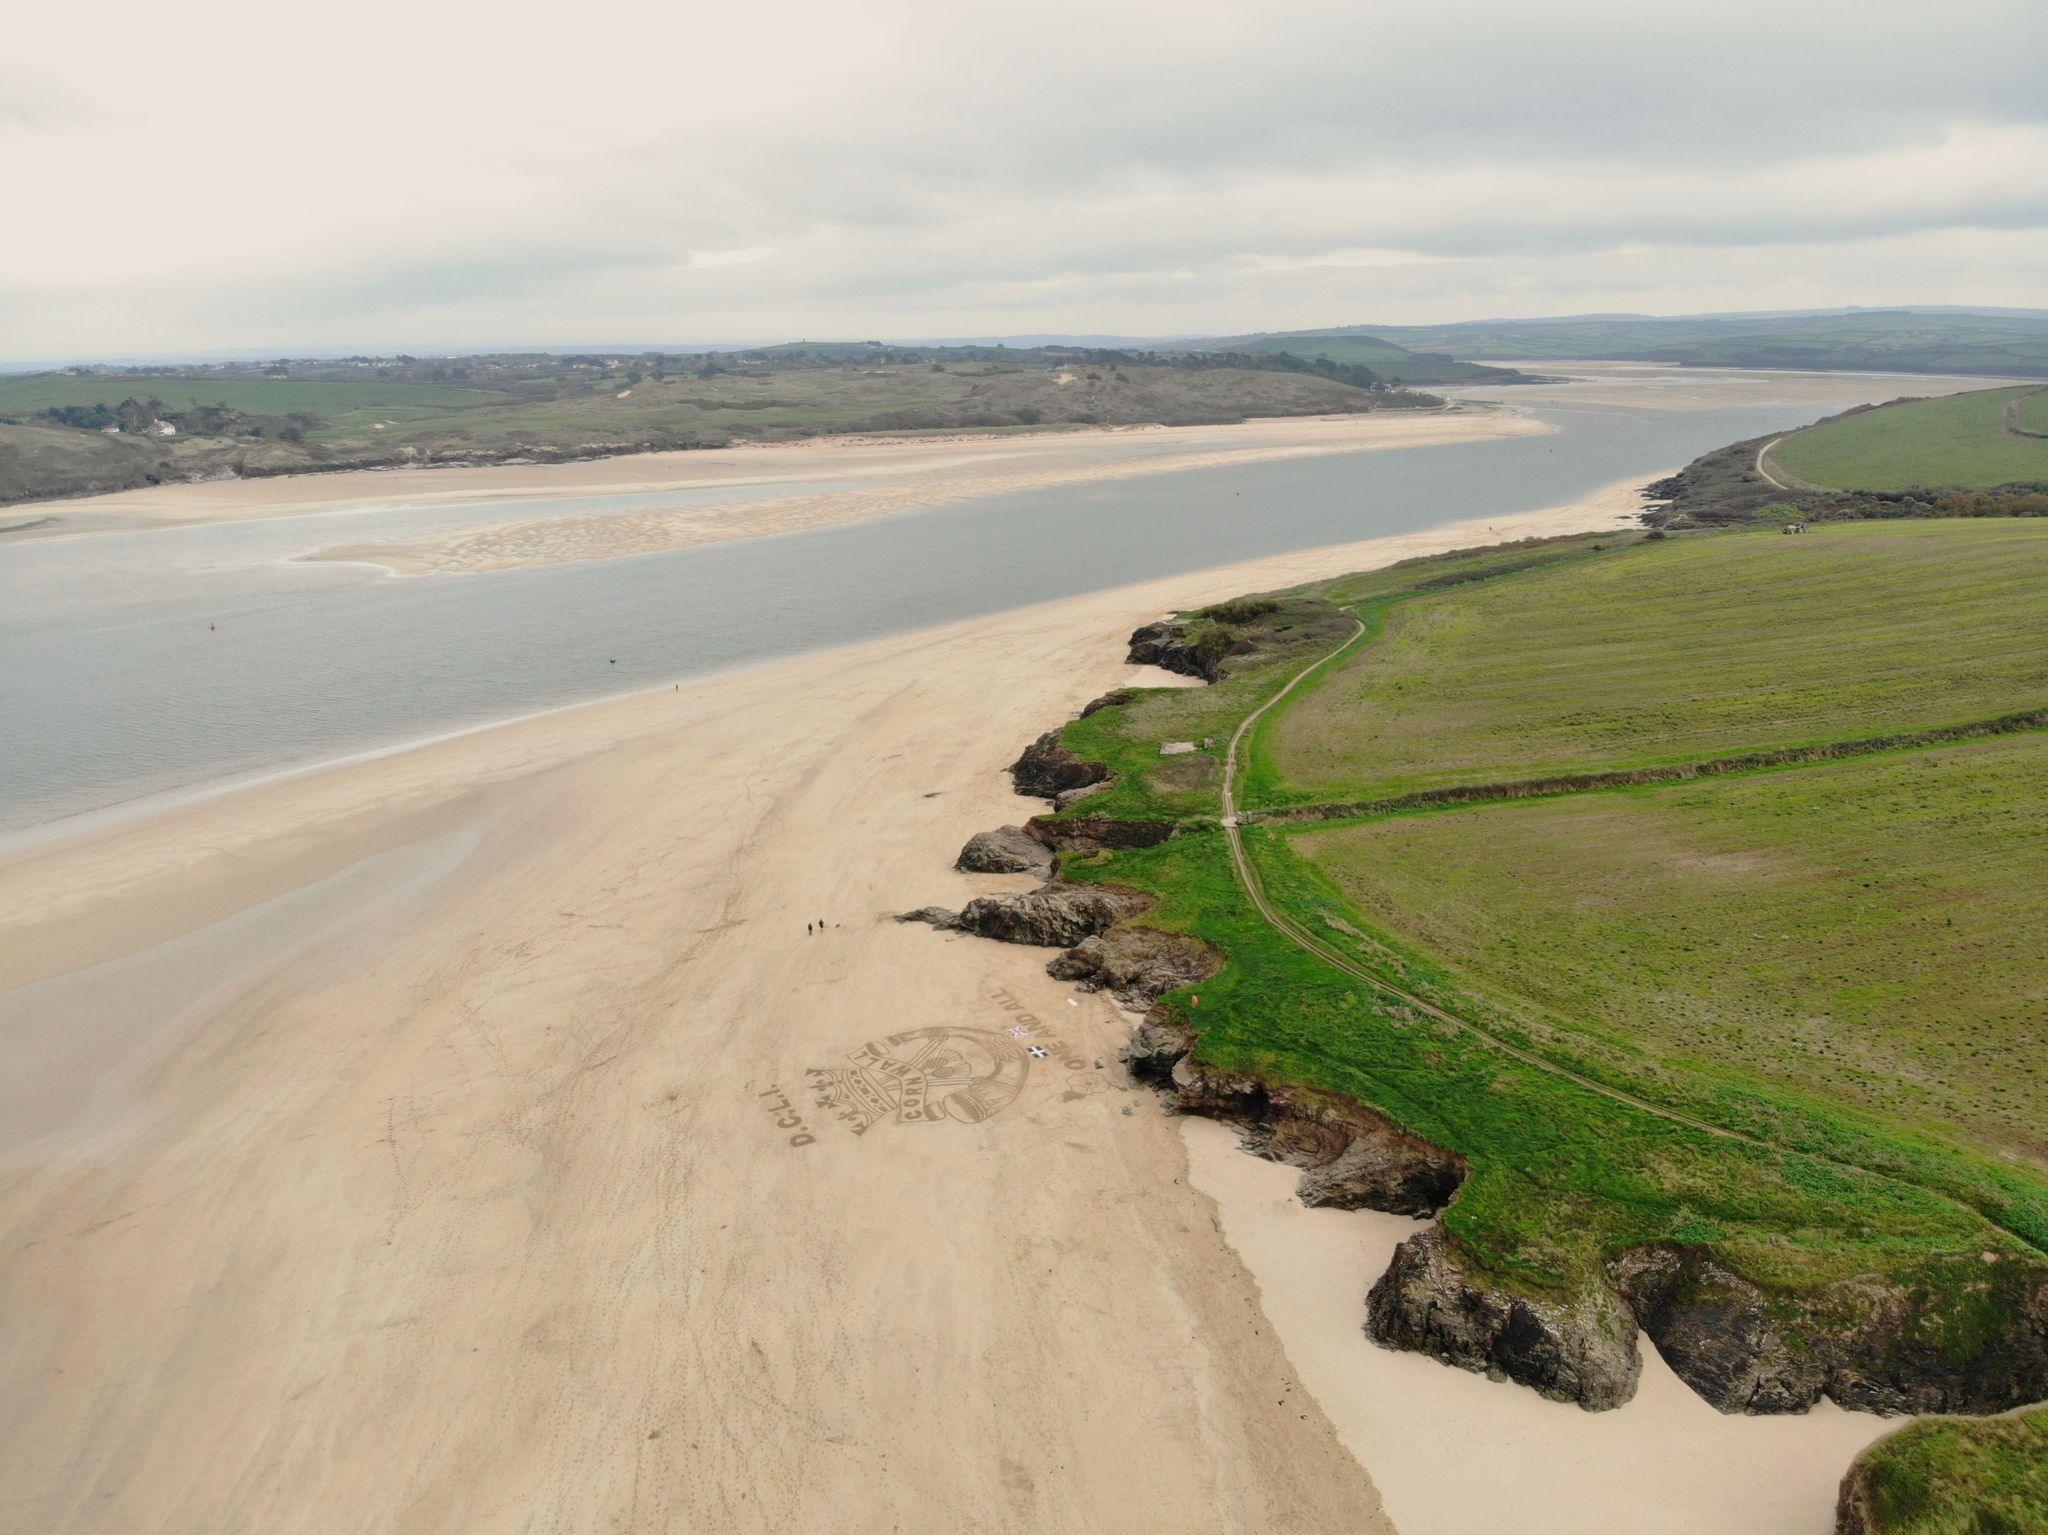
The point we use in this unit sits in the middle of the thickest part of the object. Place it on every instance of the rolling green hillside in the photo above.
(1396, 364)
(1760, 1016)
(1965, 441)
(1901, 341)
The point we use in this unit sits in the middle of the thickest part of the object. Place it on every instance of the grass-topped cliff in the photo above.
(1664, 910)
(1978, 454)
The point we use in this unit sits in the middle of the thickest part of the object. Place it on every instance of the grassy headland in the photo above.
(1963, 440)
(1731, 1060)
(1964, 455)
(1982, 1476)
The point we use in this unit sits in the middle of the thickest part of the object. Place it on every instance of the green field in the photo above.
(1874, 931)
(1786, 1018)
(2032, 412)
(1958, 441)
(1986, 1476)
(337, 403)
(1674, 652)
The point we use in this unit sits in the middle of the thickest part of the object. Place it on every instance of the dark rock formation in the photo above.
(1351, 1157)
(1871, 1345)
(1048, 768)
(1579, 1349)
(1156, 1047)
(1856, 1504)
(1166, 644)
(1109, 700)
(1067, 798)
(1711, 1327)
(1054, 916)
(1092, 833)
(937, 916)
(1006, 850)
(1139, 964)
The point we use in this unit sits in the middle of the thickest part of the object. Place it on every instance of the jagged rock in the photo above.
(1352, 1157)
(1092, 833)
(1006, 850)
(1156, 1047)
(1855, 1503)
(937, 916)
(1164, 644)
(1109, 700)
(1048, 767)
(1069, 797)
(1054, 916)
(1137, 963)
(1710, 1325)
(1580, 1350)
(1870, 1345)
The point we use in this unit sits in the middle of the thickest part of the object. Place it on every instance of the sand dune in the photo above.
(508, 1202)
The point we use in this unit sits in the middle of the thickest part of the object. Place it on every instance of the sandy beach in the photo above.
(830, 480)
(445, 1151)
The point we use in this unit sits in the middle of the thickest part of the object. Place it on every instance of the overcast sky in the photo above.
(415, 173)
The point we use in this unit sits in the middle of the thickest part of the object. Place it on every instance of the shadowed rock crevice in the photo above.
(1579, 1349)
(1870, 1345)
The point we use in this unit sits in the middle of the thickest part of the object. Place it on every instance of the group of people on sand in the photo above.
(814, 928)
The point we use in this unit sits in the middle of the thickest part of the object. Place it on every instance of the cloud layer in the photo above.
(421, 177)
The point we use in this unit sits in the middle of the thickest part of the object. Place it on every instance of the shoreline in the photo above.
(748, 463)
(527, 1190)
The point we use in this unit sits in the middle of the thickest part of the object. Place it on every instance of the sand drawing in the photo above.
(923, 1076)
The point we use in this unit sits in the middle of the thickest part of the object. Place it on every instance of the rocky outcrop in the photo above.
(1093, 833)
(1870, 1345)
(1710, 1325)
(1006, 850)
(1054, 916)
(1168, 644)
(1110, 700)
(1066, 799)
(1138, 964)
(1048, 767)
(1579, 1349)
(1157, 1046)
(1351, 1157)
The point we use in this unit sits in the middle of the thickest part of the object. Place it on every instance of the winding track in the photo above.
(1248, 877)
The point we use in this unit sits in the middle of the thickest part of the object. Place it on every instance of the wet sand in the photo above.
(505, 1204)
(831, 480)
(967, 470)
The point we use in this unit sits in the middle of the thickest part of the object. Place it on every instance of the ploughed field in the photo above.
(1971, 441)
(1685, 895)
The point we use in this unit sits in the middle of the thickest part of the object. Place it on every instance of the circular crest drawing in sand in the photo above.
(923, 1076)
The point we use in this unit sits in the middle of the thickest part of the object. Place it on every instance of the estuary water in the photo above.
(138, 662)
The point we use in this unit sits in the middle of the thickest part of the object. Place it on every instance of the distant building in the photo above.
(162, 429)
(1795, 527)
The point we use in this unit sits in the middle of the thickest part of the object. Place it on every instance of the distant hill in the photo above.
(84, 431)
(1998, 344)
(1395, 363)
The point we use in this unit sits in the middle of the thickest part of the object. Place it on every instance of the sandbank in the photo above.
(510, 1202)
